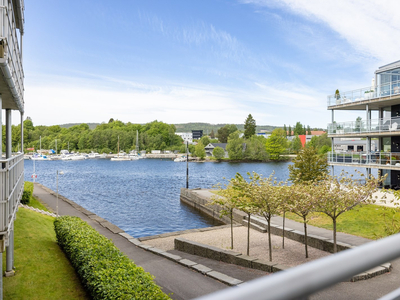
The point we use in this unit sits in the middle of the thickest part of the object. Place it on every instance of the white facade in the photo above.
(186, 136)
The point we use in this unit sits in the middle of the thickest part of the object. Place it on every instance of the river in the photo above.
(141, 197)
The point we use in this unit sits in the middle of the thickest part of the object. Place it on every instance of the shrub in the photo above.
(27, 193)
(104, 271)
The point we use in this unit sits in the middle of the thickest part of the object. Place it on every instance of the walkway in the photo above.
(185, 283)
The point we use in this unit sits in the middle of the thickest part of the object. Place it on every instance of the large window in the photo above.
(389, 82)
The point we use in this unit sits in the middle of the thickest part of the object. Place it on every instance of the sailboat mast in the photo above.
(137, 142)
(118, 146)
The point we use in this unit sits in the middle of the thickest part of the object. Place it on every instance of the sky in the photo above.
(213, 61)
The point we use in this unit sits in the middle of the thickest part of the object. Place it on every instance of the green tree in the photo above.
(235, 146)
(212, 134)
(338, 194)
(199, 150)
(298, 129)
(224, 132)
(285, 129)
(249, 127)
(296, 144)
(255, 149)
(308, 166)
(218, 153)
(205, 140)
(308, 130)
(290, 131)
(276, 144)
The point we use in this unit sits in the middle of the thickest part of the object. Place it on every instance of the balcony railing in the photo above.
(371, 92)
(366, 158)
(11, 188)
(371, 126)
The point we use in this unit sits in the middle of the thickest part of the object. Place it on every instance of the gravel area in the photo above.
(292, 255)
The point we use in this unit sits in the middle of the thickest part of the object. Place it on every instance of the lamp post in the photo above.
(58, 173)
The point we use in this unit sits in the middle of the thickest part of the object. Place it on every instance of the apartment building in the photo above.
(11, 98)
(381, 100)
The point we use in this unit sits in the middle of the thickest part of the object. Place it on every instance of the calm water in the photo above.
(141, 197)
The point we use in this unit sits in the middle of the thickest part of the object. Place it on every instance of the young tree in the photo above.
(338, 194)
(227, 199)
(290, 131)
(245, 200)
(205, 140)
(249, 127)
(285, 129)
(218, 153)
(308, 166)
(276, 144)
(308, 130)
(268, 200)
(199, 150)
(303, 201)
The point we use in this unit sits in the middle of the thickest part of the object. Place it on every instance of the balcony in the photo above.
(381, 160)
(373, 127)
(367, 95)
(12, 77)
(11, 188)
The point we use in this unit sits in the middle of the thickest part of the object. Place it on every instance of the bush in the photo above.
(27, 193)
(219, 153)
(104, 271)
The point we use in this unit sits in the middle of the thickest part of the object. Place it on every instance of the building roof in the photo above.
(214, 145)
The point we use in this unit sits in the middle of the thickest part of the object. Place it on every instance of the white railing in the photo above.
(371, 126)
(305, 280)
(12, 51)
(11, 188)
(366, 158)
(384, 90)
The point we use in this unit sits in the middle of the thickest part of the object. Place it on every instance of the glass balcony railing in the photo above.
(384, 90)
(366, 158)
(370, 126)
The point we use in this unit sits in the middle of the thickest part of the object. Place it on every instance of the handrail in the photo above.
(366, 158)
(362, 126)
(371, 92)
(314, 276)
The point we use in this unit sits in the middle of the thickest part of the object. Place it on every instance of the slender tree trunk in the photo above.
(283, 231)
(248, 235)
(231, 228)
(334, 236)
(305, 236)
(269, 238)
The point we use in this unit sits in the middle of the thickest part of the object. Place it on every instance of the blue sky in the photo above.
(201, 60)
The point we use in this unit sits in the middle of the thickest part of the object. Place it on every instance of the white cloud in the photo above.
(371, 27)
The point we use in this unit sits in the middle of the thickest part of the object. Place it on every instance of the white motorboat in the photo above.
(180, 159)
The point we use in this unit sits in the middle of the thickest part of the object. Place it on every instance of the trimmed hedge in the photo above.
(104, 271)
(27, 193)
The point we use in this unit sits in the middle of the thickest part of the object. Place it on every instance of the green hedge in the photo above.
(104, 271)
(27, 193)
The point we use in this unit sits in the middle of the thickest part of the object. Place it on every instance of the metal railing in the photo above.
(383, 90)
(305, 280)
(366, 158)
(370, 126)
(11, 188)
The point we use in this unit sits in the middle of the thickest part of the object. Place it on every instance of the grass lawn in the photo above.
(42, 270)
(369, 221)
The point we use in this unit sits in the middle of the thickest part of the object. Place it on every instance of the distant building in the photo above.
(197, 134)
(186, 136)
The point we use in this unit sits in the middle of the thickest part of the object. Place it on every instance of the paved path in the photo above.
(174, 278)
(185, 283)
